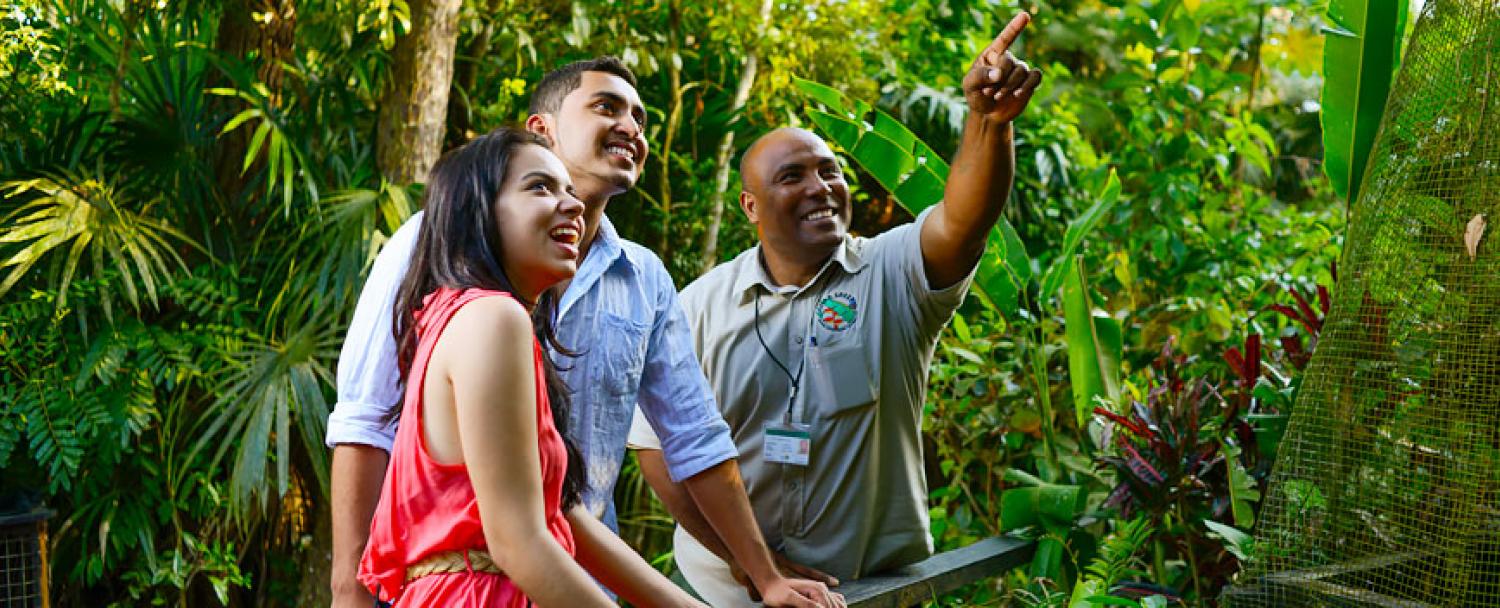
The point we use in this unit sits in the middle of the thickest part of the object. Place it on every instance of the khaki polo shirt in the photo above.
(863, 332)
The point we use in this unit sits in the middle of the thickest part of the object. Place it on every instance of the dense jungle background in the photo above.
(192, 191)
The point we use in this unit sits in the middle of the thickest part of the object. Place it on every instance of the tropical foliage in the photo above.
(192, 193)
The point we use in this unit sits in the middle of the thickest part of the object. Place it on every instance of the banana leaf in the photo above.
(1094, 345)
(1077, 229)
(1360, 56)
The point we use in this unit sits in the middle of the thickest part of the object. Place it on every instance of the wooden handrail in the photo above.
(939, 574)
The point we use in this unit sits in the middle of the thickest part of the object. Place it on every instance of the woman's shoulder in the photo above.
(484, 311)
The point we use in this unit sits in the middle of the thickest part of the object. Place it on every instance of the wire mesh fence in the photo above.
(23, 560)
(1387, 491)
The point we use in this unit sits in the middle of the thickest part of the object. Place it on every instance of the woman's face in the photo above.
(540, 221)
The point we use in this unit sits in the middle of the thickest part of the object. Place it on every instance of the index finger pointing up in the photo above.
(1008, 35)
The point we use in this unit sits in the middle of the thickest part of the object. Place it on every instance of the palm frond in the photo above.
(269, 384)
(84, 213)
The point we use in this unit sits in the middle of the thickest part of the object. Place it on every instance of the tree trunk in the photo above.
(726, 147)
(466, 76)
(268, 42)
(317, 561)
(674, 121)
(414, 109)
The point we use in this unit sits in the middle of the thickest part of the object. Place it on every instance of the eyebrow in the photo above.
(825, 161)
(787, 167)
(542, 174)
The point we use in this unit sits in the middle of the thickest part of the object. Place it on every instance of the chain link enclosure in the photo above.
(1387, 491)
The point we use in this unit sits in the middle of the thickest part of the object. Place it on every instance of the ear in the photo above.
(541, 124)
(747, 204)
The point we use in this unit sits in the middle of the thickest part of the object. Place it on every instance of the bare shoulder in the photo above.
(485, 327)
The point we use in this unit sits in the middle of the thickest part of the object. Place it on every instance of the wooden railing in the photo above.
(939, 574)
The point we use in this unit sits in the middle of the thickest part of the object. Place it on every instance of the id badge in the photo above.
(788, 443)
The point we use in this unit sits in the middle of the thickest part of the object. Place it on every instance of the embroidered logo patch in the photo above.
(838, 312)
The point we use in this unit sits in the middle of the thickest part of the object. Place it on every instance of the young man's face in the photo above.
(598, 132)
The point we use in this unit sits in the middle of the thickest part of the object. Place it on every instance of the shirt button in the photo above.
(799, 340)
(794, 486)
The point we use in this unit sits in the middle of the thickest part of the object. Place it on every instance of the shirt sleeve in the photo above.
(369, 378)
(642, 437)
(901, 259)
(675, 398)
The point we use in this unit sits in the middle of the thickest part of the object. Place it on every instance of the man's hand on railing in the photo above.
(788, 568)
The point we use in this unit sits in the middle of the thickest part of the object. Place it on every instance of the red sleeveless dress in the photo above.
(427, 507)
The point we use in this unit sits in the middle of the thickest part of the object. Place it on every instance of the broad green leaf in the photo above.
(1235, 541)
(886, 160)
(961, 329)
(1043, 503)
(1360, 54)
(1047, 562)
(925, 186)
(1077, 229)
(830, 97)
(893, 130)
(1004, 269)
(1244, 492)
(1085, 592)
(841, 130)
(1094, 345)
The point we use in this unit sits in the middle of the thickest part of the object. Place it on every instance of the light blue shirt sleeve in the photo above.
(369, 378)
(674, 395)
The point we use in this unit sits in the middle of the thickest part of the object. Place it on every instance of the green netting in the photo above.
(1387, 491)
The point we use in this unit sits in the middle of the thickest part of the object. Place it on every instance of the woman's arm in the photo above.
(616, 565)
(489, 365)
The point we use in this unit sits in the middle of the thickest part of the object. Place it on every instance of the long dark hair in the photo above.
(459, 247)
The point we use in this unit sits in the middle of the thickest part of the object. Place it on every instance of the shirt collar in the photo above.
(607, 250)
(845, 257)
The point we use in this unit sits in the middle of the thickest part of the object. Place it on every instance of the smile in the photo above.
(567, 235)
(621, 151)
(821, 214)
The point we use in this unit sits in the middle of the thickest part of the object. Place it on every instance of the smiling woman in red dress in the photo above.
(480, 503)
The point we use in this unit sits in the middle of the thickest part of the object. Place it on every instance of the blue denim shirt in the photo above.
(621, 314)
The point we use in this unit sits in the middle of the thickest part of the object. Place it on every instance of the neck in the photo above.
(527, 296)
(594, 202)
(789, 270)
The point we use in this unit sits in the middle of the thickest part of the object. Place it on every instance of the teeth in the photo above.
(818, 215)
(620, 151)
(565, 234)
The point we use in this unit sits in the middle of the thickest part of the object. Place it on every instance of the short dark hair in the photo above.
(549, 93)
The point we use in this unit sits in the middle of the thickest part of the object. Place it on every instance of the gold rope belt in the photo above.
(449, 562)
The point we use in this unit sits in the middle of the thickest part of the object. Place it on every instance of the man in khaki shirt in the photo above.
(817, 345)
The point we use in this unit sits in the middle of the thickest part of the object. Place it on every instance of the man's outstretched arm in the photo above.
(997, 87)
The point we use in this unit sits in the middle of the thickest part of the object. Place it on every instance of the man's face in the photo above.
(796, 195)
(598, 132)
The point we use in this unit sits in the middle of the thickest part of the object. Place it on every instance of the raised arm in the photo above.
(361, 427)
(997, 87)
(486, 355)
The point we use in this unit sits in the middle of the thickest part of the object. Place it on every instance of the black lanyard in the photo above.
(796, 379)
